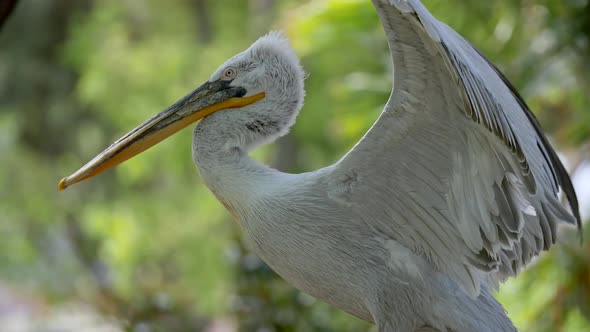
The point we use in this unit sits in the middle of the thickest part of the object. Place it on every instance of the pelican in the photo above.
(452, 190)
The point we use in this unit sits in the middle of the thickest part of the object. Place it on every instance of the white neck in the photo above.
(221, 156)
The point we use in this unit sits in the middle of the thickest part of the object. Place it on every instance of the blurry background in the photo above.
(146, 247)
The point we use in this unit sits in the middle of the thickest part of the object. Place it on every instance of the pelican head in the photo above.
(251, 99)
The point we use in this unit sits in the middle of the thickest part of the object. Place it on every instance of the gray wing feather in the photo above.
(456, 167)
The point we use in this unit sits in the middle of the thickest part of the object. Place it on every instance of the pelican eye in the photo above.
(230, 73)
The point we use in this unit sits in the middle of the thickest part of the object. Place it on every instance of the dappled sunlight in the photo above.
(146, 246)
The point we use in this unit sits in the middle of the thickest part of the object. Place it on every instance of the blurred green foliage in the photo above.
(146, 243)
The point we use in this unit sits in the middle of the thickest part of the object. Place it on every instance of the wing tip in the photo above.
(561, 176)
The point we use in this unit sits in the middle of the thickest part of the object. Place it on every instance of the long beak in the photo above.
(206, 99)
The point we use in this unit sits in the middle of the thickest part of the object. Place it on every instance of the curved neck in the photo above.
(224, 165)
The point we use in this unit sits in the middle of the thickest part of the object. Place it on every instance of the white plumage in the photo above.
(452, 190)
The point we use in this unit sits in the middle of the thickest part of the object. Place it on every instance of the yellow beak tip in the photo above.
(62, 184)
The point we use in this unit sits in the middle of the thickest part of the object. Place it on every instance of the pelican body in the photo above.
(452, 190)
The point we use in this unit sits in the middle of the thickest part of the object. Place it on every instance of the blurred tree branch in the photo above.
(205, 30)
(6, 9)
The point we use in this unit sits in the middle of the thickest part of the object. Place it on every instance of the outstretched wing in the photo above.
(456, 168)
